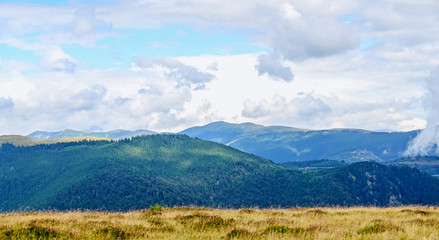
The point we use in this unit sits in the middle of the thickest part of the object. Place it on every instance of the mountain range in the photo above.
(284, 144)
(177, 170)
(116, 134)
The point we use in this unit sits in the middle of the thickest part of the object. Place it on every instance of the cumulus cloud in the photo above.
(88, 99)
(375, 87)
(303, 108)
(427, 141)
(185, 75)
(269, 64)
(295, 42)
(307, 110)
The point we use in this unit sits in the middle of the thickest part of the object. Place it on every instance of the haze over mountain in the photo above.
(176, 170)
(117, 134)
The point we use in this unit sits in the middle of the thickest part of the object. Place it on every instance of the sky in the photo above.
(169, 65)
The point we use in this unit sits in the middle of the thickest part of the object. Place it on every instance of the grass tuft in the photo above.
(277, 229)
(148, 213)
(203, 221)
(316, 212)
(247, 210)
(239, 233)
(431, 222)
(378, 226)
(163, 229)
(416, 211)
(156, 221)
(112, 232)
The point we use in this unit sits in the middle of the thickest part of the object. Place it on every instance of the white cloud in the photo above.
(428, 140)
(304, 109)
(376, 87)
(307, 111)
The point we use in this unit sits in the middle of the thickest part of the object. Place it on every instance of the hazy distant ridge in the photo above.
(116, 134)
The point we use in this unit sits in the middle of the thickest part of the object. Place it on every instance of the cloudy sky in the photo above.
(168, 65)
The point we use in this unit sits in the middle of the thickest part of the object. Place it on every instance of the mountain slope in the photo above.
(284, 144)
(176, 170)
(378, 185)
(428, 164)
(117, 134)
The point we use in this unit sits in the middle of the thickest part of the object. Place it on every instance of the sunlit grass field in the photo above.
(202, 223)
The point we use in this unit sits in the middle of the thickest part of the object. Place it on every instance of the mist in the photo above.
(427, 142)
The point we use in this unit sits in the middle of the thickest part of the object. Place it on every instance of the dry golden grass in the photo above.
(200, 223)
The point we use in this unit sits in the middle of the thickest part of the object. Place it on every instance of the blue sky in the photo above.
(118, 50)
(169, 65)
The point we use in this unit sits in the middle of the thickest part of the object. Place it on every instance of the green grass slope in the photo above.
(176, 170)
(285, 144)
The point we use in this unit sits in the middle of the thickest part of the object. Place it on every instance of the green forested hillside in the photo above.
(176, 170)
(428, 164)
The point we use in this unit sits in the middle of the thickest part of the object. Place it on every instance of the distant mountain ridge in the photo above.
(287, 144)
(18, 140)
(116, 134)
(283, 144)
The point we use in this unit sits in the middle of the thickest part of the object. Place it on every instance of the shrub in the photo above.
(156, 207)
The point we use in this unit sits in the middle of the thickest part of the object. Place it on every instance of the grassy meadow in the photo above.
(202, 223)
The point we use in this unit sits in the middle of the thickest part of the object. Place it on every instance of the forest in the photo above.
(177, 170)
